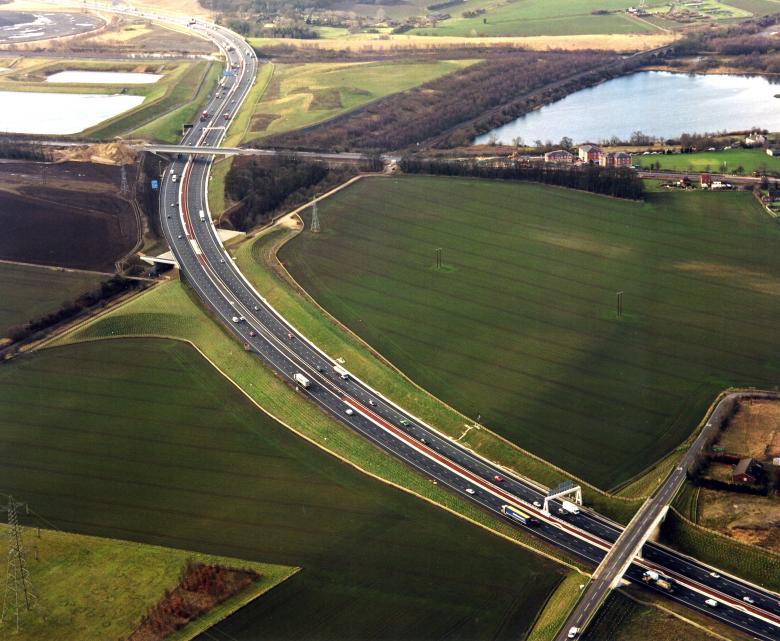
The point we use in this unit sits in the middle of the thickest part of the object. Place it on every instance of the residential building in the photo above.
(559, 156)
(611, 159)
(755, 139)
(773, 151)
(589, 153)
(747, 471)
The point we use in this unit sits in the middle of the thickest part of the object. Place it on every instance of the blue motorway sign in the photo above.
(155, 184)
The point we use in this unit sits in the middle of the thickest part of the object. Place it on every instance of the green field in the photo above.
(141, 439)
(28, 292)
(757, 7)
(302, 95)
(540, 18)
(520, 327)
(95, 588)
(716, 161)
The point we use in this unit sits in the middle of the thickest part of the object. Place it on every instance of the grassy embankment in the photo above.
(142, 439)
(98, 588)
(714, 161)
(540, 18)
(28, 291)
(29, 75)
(163, 118)
(168, 103)
(621, 618)
(528, 300)
(557, 608)
(302, 95)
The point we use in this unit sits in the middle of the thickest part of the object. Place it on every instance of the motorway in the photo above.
(210, 271)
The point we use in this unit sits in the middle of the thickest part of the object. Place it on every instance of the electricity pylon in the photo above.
(18, 588)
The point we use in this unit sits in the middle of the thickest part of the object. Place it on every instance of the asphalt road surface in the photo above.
(210, 271)
(16, 26)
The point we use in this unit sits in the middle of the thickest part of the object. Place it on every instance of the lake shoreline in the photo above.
(662, 104)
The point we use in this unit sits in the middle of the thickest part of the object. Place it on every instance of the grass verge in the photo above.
(557, 608)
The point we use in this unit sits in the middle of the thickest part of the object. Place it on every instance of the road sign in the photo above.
(155, 184)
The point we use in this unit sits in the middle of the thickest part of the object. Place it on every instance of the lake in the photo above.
(104, 77)
(58, 113)
(657, 103)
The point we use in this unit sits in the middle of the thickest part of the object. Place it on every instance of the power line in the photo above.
(315, 219)
(18, 587)
(124, 189)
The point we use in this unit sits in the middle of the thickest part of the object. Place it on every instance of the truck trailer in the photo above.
(516, 514)
(301, 380)
(571, 508)
(658, 580)
(341, 371)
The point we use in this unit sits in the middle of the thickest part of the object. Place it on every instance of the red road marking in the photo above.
(561, 524)
(474, 478)
(185, 181)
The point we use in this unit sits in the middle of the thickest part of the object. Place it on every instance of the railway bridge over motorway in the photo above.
(215, 150)
(213, 276)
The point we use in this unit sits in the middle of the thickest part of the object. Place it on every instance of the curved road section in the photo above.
(210, 271)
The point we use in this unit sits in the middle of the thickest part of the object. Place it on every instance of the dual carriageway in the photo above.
(211, 272)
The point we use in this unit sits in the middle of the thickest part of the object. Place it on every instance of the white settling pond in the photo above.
(104, 77)
(58, 113)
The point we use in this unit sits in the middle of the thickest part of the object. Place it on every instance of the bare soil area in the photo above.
(66, 214)
(745, 517)
(754, 431)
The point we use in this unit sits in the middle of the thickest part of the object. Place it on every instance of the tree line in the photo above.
(263, 187)
(70, 309)
(16, 150)
(619, 182)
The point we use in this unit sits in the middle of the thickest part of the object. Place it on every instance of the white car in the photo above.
(349, 411)
(573, 632)
(537, 504)
(714, 575)
(747, 599)
(712, 603)
(470, 490)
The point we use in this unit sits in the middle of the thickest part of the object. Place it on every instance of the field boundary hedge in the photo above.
(340, 457)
